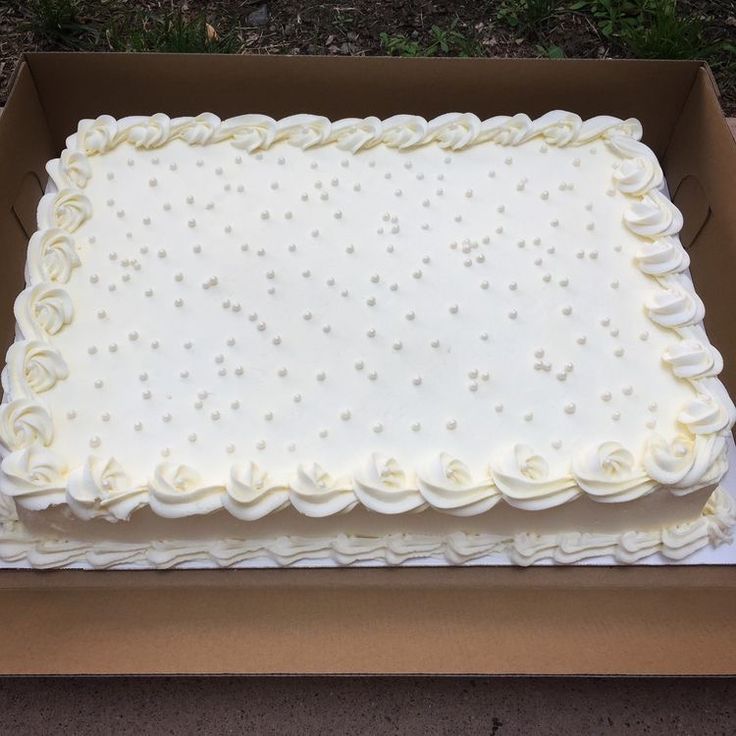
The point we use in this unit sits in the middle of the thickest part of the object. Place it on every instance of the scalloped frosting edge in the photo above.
(673, 544)
(35, 477)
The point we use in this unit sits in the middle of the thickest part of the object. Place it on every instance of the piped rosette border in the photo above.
(36, 477)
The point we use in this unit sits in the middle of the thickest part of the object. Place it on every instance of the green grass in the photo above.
(175, 34)
(58, 23)
(442, 42)
(528, 17)
(665, 34)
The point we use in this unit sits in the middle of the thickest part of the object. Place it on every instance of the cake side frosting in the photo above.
(36, 476)
(672, 543)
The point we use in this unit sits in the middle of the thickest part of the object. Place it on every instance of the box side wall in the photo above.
(700, 166)
(25, 146)
(85, 85)
(464, 621)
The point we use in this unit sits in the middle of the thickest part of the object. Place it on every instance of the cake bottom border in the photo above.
(20, 549)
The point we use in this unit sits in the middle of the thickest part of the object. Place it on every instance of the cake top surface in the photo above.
(252, 312)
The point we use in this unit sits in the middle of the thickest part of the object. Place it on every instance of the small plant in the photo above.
(452, 42)
(613, 17)
(442, 42)
(174, 34)
(527, 16)
(551, 51)
(664, 34)
(57, 23)
(400, 45)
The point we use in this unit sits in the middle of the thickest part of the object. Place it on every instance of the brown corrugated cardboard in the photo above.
(484, 620)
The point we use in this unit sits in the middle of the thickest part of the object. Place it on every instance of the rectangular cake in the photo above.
(251, 341)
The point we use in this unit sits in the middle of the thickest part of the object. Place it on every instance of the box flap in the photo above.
(463, 620)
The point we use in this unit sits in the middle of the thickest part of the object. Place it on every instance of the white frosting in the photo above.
(358, 305)
(673, 542)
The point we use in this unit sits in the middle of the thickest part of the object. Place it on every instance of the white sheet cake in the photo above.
(251, 341)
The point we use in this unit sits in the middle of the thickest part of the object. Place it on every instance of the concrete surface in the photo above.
(348, 706)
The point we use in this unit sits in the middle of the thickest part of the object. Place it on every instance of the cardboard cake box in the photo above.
(492, 620)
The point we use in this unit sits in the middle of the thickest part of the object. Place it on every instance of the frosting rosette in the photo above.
(101, 488)
(353, 134)
(252, 494)
(454, 131)
(97, 136)
(704, 415)
(669, 462)
(178, 490)
(557, 128)
(637, 176)
(149, 132)
(70, 209)
(404, 131)
(663, 256)
(304, 131)
(42, 311)
(249, 132)
(51, 256)
(526, 481)
(448, 485)
(653, 216)
(35, 476)
(197, 131)
(608, 472)
(314, 492)
(608, 128)
(691, 359)
(674, 306)
(24, 423)
(505, 130)
(383, 487)
(34, 367)
(74, 167)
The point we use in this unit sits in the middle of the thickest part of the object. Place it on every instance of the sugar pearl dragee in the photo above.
(529, 416)
(570, 408)
(372, 375)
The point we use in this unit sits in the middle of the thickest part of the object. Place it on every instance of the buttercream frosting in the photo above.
(390, 326)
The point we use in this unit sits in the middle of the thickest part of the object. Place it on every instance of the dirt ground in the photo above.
(505, 28)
